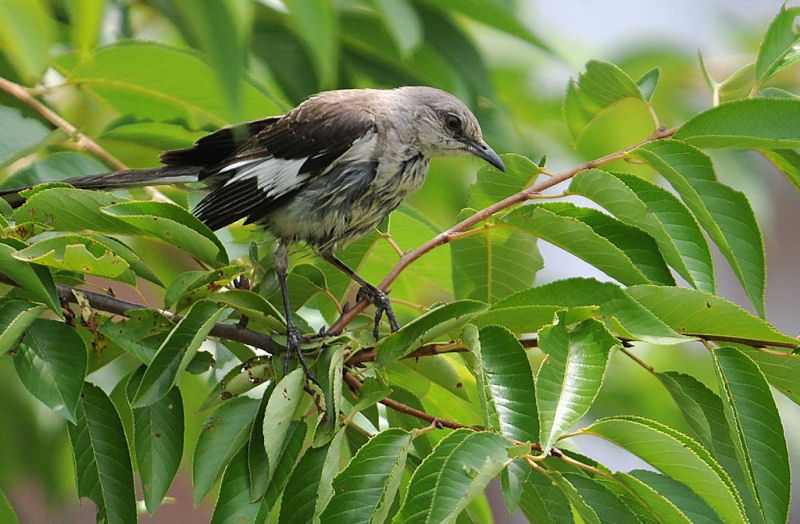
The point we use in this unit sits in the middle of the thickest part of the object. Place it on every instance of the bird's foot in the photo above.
(380, 300)
(294, 339)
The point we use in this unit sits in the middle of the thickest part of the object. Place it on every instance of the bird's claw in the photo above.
(380, 300)
(293, 341)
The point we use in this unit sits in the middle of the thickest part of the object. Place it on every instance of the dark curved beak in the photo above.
(482, 150)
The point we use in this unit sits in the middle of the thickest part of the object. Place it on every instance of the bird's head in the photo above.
(445, 126)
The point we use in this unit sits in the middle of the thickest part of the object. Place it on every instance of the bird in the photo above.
(325, 173)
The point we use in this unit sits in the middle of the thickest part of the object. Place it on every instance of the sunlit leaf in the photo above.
(570, 377)
(723, 212)
(677, 456)
(756, 430)
(27, 31)
(780, 40)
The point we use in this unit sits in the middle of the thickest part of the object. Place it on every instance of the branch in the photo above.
(355, 385)
(22, 94)
(483, 214)
(121, 307)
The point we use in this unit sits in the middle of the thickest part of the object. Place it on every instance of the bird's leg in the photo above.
(293, 336)
(375, 296)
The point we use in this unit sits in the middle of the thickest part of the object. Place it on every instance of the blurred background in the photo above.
(510, 61)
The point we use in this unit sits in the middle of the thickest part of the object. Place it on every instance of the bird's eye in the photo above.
(452, 122)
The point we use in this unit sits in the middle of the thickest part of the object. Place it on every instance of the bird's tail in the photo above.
(119, 179)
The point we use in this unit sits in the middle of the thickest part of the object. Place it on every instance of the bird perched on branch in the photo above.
(325, 173)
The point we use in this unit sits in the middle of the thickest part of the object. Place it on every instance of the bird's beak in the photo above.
(482, 150)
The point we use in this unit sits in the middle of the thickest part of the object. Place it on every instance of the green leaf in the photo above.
(438, 369)
(756, 123)
(291, 453)
(78, 253)
(647, 84)
(365, 489)
(781, 370)
(102, 461)
(491, 187)
(278, 415)
(493, 264)
(176, 352)
(756, 430)
(543, 502)
(608, 506)
(192, 285)
(239, 380)
(129, 77)
(677, 456)
(233, 503)
(222, 37)
(584, 511)
(257, 461)
(683, 498)
(403, 23)
(55, 167)
(508, 392)
(70, 209)
(555, 224)
(457, 470)
(158, 441)
(223, 435)
(26, 34)
(140, 334)
(494, 13)
(570, 377)
(36, 280)
(780, 40)
(426, 328)
(657, 212)
(607, 300)
(602, 85)
(15, 317)
(314, 21)
(658, 504)
(252, 305)
(739, 84)
(86, 21)
(329, 374)
(696, 313)
(51, 364)
(18, 133)
(174, 225)
(724, 213)
(301, 493)
(6, 511)
(787, 161)
(703, 410)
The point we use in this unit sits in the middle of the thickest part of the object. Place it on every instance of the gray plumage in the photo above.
(325, 173)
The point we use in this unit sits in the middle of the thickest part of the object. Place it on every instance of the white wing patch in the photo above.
(274, 176)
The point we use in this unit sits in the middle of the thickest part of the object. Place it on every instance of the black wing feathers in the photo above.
(320, 134)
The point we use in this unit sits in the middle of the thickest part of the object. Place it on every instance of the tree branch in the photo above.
(517, 198)
(355, 385)
(22, 94)
(121, 307)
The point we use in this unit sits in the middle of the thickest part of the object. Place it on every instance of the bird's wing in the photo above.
(279, 160)
(214, 148)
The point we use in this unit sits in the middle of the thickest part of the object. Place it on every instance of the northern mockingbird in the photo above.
(325, 173)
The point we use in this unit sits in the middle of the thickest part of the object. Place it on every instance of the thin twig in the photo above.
(355, 384)
(22, 94)
(636, 359)
(517, 198)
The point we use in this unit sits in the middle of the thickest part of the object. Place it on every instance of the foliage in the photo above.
(490, 376)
